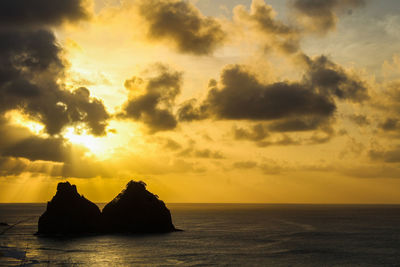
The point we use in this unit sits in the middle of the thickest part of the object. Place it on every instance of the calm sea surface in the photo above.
(220, 234)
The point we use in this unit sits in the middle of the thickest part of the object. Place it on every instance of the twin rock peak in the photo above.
(134, 210)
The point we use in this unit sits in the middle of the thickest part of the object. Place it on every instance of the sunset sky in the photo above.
(274, 101)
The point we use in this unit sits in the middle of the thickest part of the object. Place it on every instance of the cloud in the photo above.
(321, 16)
(172, 144)
(241, 96)
(245, 165)
(262, 18)
(188, 111)
(258, 132)
(283, 140)
(390, 124)
(29, 13)
(208, 154)
(267, 167)
(307, 105)
(19, 142)
(201, 153)
(359, 119)
(154, 106)
(181, 24)
(10, 166)
(388, 105)
(32, 68)
(274, 134)
(329, 78)
(21, 151)
(389, 156)
(38, 148)
(299, 124)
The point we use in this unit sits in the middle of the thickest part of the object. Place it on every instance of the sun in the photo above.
(96, 145)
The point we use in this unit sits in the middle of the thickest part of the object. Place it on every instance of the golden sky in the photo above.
(206, 101)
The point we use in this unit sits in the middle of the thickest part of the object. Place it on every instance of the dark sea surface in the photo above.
(220, 234)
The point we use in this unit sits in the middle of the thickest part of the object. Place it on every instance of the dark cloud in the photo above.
(388, 104)
(257, 132)
(182, 24)
(32, 67)
(189, 112)
(298, 124)
(154, 106)
(390, 124)
(19, 142)
(319, 139)
(30, 76)
(329, 78)
(241, 96)
(321, 16)
(193, 152)
(389, 156)
(275, 133)
(304, 106)
(29, 13)
(262, 18)
(38, 148)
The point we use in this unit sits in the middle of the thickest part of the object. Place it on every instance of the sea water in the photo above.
(219, 234)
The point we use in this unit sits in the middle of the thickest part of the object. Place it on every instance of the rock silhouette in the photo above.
(134, 210)
(69, 213)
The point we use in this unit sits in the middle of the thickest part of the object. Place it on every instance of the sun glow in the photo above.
(104, 147)
(96, 145)
(19, 118)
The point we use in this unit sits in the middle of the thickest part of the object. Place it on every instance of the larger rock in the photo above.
(69, 213)
(136, 210)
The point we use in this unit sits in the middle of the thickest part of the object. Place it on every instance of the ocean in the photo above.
(219, 234)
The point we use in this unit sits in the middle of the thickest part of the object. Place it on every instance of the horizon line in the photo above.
(239, 203)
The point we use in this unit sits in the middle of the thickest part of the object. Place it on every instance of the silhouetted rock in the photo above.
(4, 224)
(136, 210)
(69, 213)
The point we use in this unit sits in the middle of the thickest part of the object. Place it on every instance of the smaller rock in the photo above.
(4, 224)
(136, 210)
(69, 213)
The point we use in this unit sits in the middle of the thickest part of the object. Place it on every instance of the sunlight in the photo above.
(104, 147)
(19, 118)
(96, 145)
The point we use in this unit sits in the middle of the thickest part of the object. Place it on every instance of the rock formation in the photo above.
(69, 213)
(136, 210)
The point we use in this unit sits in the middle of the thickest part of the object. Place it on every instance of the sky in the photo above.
(243, 101)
